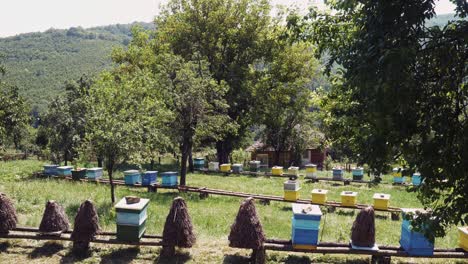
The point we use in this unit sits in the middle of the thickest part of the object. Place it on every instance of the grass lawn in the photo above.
(212, 218)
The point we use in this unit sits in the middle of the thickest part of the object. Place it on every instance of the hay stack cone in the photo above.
(247, 231)
(8, 218)
(363, 230)
(86, 227)
(54, 219)
(178, 229)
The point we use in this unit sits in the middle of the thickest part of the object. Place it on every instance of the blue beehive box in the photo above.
(132, 177)
(64, 170)
(237, 168)
(131, 219)
(94, 173)
(305, 224)
(304, 236)
(149, 177)
(414, 243)
(169, 178)
(337, 174)
(50, 169)
(416, 179)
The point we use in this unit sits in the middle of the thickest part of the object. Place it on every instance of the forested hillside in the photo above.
(40, 63)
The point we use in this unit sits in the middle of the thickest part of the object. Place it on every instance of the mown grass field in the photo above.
(212, 218)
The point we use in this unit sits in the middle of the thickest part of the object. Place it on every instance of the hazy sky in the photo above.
(21, 16)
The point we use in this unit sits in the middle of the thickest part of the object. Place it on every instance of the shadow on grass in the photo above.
(72, 257)
(293, 259)
(122, 256)
(46, 250)
(346, 212)
(286, 208)
(379, 216)
(179, 258)
(4, 246)
(236, 259)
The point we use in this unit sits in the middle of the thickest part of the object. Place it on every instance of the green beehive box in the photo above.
(131, 219)
(131, 233)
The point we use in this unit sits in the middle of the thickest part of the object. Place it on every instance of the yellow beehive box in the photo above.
(463, 231)
(397, 172)
(304, 247)
(381, 201)
(319, 196)
(291, 195)
(225, 167)
(277, 170)
(348, 198)
(293, 171)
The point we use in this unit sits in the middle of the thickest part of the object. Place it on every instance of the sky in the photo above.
(22, 16)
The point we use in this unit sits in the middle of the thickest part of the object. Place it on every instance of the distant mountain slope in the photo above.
(40, 63)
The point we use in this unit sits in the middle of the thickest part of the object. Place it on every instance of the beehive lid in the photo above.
(237, 165)
(337, 169)
(348, 193)
(417, 174)
(199, 159)
(382, 196)
(94, 169)
(137, 207)
(130, 172)
(396, 169)
(277, 167)
(293, 168)
(358, 168)
(168, 173)
(290, 182)
(412, 210)
(150, 172)
(254, 162)
(319, 191)
(464, 230)
(306, 209)
(311, 165)
(226, 164)
(51, 165)
(65, 167)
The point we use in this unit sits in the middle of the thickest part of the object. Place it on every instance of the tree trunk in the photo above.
(99, 162)
(185, 151)
(152, 164)
(190, 161)
(110, 168)
(65, 157)
(223, 151)
(276, 158)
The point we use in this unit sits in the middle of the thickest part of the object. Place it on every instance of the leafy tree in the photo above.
(401, 93)
(119, 111)
(63, 124)
(283, 95)
(195, 100)
(14, 114)
(231, 36)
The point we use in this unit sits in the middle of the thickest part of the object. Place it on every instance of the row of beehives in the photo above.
(306, 225)
(319, 196)
(131, 177)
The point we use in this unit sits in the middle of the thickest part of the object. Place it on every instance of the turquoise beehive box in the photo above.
(132, 177)
(64, 170)
(169, 178)
(131, 219)
(94, 173)
(198, 163)
(358, 174)
(416, 179)
(237, 168)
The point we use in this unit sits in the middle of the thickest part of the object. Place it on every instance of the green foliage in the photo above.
(231, 36)
(400, 92)
(284, 98)
(14, 116)
(119, 112)
(63, 125)
(39, 63)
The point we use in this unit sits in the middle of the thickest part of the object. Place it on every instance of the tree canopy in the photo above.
(399, 92)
